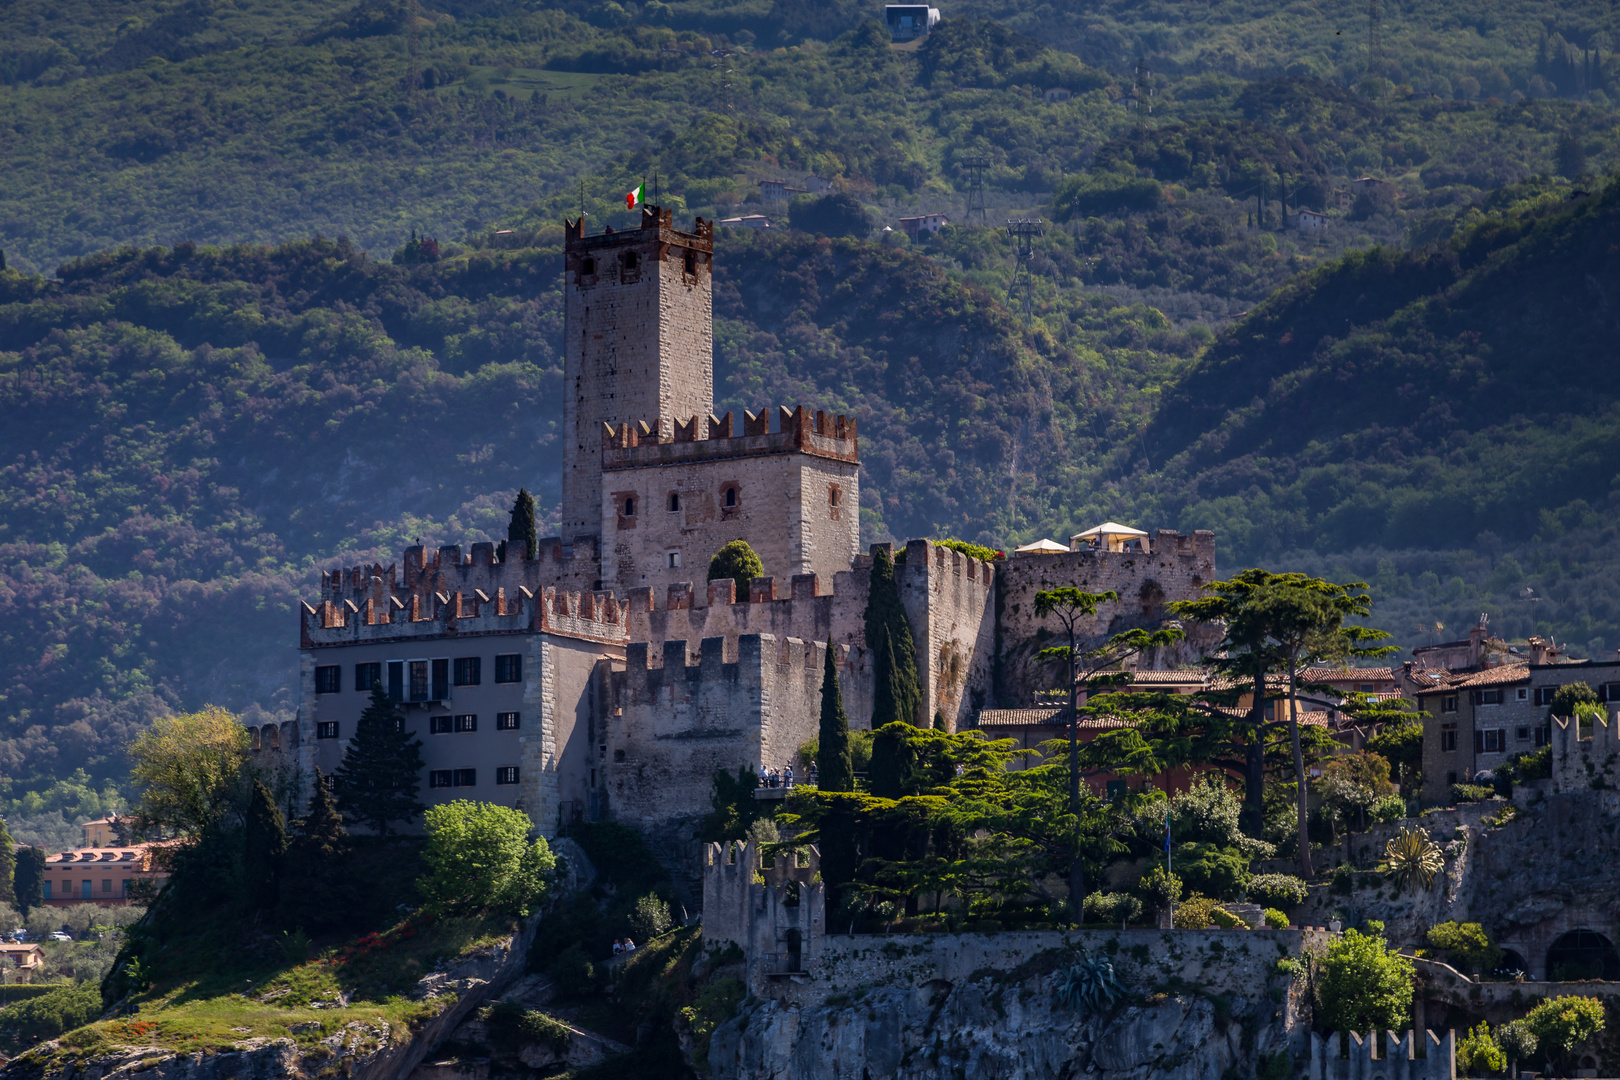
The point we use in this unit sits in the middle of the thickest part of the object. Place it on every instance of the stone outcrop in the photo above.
(995, 1030)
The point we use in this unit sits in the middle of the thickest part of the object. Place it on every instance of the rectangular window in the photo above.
(674, 560)
(367, 676)
(1448, 740)
(469, 670)
(87, 890)
(1488, 697)
(1448, 703)
(1522, 694)
(106, 885)
(124, 887)
(506, 774)
(1451, 778)
(396, 680)
(466, 778)
(326, 729)
(440, 778)
(1543, 735)
(1544, 694)
(419, 680)
(509, 667)
(1522, 734)
(328, 679)
(441, 679)
(440, 725)
(467, 722)
(1489, 741)
(506, 721)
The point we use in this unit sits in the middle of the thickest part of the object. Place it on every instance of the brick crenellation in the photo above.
(700, 438)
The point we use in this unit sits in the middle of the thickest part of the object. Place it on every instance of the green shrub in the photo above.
(1467, 946)
(512, 1026)
(1108, 907)
(1479, 1052)
(649, 918)
(1276, 919)
(1343, 880)
(1564, 1024)
(977, 551)
(1195, 913)
(1221, 872)
(1102, 193)
(1535, 766)
(1363, 985)
(1159, 888)
(1225, 920)
(1278, 890)
(51, 1014)
(479, 857)
(1461, 793)
(1387, 808)
(573, 973)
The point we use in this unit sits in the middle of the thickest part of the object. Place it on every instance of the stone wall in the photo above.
(949, 599)
(675, 723)
(1175, 568)
(639, 330)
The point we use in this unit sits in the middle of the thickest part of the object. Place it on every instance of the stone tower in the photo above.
(639, 344)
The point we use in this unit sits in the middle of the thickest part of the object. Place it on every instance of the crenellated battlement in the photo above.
(708, 438)
(718, 662)
(393, 616)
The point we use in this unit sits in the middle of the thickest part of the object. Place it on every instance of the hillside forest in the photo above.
(281, 290)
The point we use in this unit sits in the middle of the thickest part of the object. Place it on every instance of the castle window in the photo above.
(674, 502)
(367, 676)
(631, 260)
(691, 264)
(441, 725)
(587, 267)
(440, 778)
(467, 722)
(629, 508)
(469, 670)
(506, 721)
(506, 774)
(509, 668)
(674, 558)
(466, 778)
(328, 679)
(730, 497)
(835, 498)
(326, 729)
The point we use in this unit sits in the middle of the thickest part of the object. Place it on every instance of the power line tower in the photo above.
(1143, 93)
(413, 53)
(1375, 38)
(1024, 233)
(975, 166)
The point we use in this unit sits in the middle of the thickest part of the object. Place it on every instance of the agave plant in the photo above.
(1412, 860)
(1087, 985)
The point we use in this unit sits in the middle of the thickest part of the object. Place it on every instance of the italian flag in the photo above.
(635, 198)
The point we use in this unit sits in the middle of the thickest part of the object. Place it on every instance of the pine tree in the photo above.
(834, 762)
(315, 893)
(886, 615)
(8, 864)
(28, 883)
(381, 770)
(264, 849)
(889, 774)
(521, 534)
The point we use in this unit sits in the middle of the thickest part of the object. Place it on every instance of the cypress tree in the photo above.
(381, 770)
(834, 762)
(522, 533)
(886, 616)
(8, 864)
(939, 720)
(889, 775)
(28, 883)
(264, 849)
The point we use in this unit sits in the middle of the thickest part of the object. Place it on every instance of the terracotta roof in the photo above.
(1049, 717)
(1326, 674)
(1180, 678)
(1314, 718)
(1496, 676)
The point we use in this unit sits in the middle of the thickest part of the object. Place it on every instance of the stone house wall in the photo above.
(1175, 568)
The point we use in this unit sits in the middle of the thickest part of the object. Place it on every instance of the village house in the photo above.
(915, 226)
(20, 962)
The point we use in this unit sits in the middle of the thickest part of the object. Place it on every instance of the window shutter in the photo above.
(441, 679)
(396, 680)
(1479, 742)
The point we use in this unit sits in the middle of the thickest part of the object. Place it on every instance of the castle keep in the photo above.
(606, 678)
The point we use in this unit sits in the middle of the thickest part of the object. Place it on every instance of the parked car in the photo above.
(61, 935)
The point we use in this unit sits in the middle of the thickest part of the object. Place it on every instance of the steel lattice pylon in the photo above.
(1024, 233)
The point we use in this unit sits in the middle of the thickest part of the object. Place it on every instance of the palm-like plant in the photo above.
(1087, 985)
(1412, 860)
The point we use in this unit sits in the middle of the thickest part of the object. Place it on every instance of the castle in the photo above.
(604, 678)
